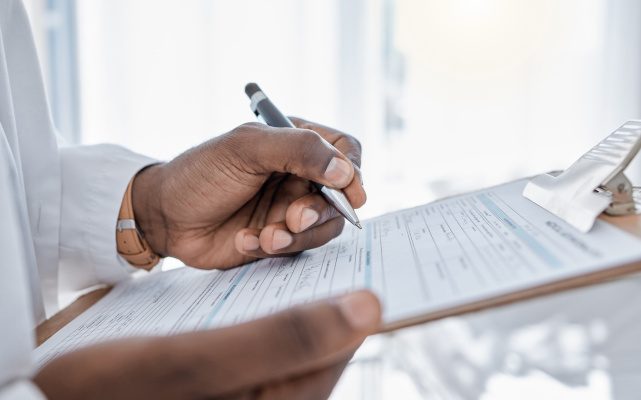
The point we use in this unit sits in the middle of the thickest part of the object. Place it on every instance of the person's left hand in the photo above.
(247, 194)
(297, 353)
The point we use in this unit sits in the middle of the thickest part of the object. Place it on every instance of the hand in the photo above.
(247, 194)
(297, 354)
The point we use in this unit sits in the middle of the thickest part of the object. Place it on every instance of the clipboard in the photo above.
(595, 186)
(630, 224)
(627, 220)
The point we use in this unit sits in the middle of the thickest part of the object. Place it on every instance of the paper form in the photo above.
(450, 252)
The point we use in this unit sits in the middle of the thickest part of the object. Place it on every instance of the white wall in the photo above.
(489, 90)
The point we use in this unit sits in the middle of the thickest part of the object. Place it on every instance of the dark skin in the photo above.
(296, 354)
(225, 202)
(236, 198)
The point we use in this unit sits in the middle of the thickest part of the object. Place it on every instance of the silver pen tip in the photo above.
(358, 224)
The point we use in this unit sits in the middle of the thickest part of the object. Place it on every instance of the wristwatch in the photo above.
(130, 241)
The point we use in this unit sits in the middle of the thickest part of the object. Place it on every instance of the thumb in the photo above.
(301, 152)
(293, 342)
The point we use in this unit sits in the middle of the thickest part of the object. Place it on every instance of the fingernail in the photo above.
(281, 239)
(360, 310)
(338, 172)
(307, 218)
(250, 242)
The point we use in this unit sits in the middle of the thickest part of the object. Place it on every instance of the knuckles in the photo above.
(241, 141)
(248, 131)
(252, 125)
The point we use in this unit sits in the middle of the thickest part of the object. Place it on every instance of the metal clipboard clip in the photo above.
(594, 183)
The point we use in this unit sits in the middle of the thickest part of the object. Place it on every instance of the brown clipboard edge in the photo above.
(51, 326)
(630, 224)
(562, 285)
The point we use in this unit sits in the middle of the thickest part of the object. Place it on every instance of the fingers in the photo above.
(302, 210)
(283, 346)
(291, 189)
(309, 211)
(277, 239)
(319, 154)
(345, 143)
(295, 221)
(354, 191)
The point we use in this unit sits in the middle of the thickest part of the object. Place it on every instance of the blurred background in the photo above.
(446, 96)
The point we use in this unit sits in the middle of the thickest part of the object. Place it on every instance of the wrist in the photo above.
(147, 207)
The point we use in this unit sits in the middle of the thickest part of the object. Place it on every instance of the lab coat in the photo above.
(58, 207)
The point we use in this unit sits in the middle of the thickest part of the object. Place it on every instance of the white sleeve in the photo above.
(22, 389)
(94, 180)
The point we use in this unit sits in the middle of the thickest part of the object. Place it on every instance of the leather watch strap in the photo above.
(131, 244)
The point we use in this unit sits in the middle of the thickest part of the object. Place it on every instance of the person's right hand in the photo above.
(247, 194)
(296, 354)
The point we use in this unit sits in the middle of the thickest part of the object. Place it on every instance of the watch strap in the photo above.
(131, 243)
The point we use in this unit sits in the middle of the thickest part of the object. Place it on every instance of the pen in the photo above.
(263, 107)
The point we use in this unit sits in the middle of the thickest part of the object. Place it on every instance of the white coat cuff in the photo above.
(94, 180)
(22, 389)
